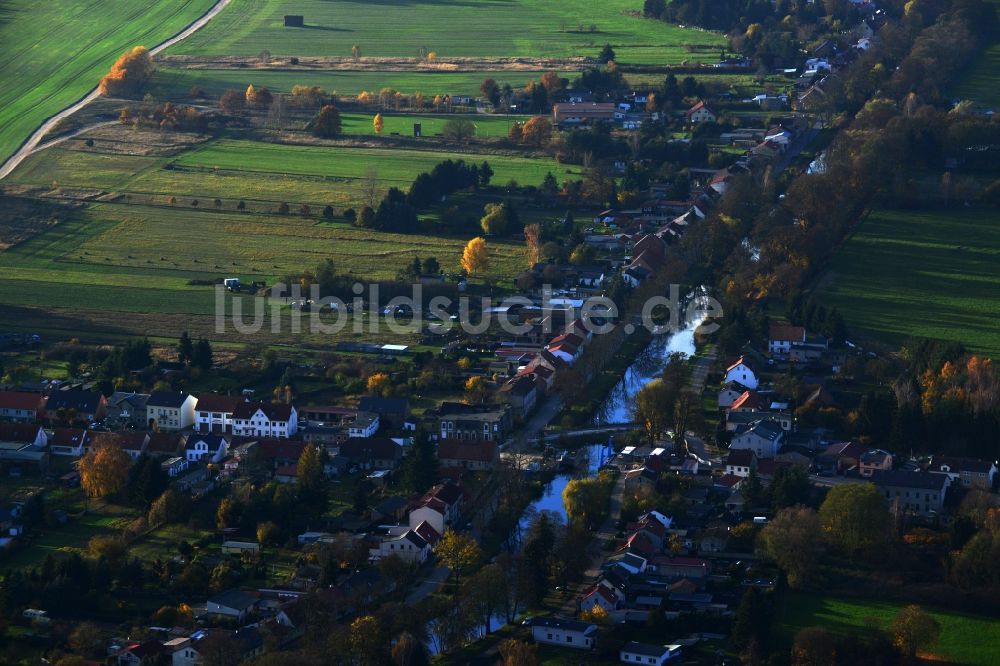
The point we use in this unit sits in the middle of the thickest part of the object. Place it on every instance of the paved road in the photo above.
(31, 145)
(428, 585)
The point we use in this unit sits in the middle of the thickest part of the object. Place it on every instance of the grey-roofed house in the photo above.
(171, 410)
(127, 408)
(392, 411)
(763, 437)
(232, 603)
(76, 406)
(919, 493)
(563, 632)
(635, 652)
(970, 472)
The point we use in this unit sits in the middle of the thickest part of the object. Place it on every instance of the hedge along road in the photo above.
(31, 143)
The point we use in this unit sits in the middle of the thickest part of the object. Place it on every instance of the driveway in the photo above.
(428, 586)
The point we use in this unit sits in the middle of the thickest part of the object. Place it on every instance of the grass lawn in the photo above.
(394, 167)
(56, 52)
(927, 273)
(981, 83)
(539, 28)
(965, 639)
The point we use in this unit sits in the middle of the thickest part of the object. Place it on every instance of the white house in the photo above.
(603, 595)
(700, 113)
(214, 412)
(742, 372)
(781, 337)
(366, 424)
(403, 542)
(563, 632)
(171, 410)
(764, 438)
(634, 652)
(265, 419)
(182, 652)
(208, 448)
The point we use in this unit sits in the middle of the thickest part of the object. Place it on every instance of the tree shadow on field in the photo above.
(327, 28)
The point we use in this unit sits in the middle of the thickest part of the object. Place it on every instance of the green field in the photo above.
(926, 273)
(981, 84)
(487, 126)
(537, 28)
(169, 82)
(965, 639)
(55, 52)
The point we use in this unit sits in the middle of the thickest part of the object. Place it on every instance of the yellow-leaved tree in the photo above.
(475, 258)
(104, 470)
(378, 123)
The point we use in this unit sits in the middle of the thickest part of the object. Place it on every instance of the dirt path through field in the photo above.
(32, 143)
(378, 64)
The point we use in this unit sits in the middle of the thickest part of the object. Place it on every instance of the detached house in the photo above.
(214, 412)
(460, 421)
(265, 419)
(743, 373)
(634, 652)
(563, 632)
(21, 406)
(700, 113)
(763, 438)
(132, 443)
(403, 542)
(372, 452)
(521, 393)
(165, 445)
(439, 507)
(170, 410)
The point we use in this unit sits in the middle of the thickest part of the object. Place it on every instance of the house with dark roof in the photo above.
(521, 393)
(742, 372)
(76, 406)
(265, 419)
(26, 434)
(740, 462)
(874, 460)
(232, 603)
(208, 448)
(404, 543)
(67, 442)
(372, 452)
(214, 412)
(563, 632)
(763, 437)
(839, 457)
(472, 455)
(165, 444)
(970, 472)
(21, 406)
(461, 421)
(171, 410)
(277, 452)
(391, 411)
(918, 493)
(132, 443)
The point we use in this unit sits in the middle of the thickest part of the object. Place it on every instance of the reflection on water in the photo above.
(618, 406)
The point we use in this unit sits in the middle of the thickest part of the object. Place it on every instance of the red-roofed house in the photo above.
(781, 337)
(749, 401)
(602, 595)
(214, 412)
(700, 113)
(165, 444)
(21, 406)
(439, 507)
(132, 443)
(68, 442)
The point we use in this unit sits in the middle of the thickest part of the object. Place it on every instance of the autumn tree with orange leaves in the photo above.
(129, 73)
(104, 470)
(475, 258)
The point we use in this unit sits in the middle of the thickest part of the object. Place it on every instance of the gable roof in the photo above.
(958, 465)
(700, 105)
(126, 441)
(168, 399)
(71, 437)
(369, 448)
(766, 429)
(742, 360)
(216, 402)
(212, 441)
(379, 405)
(164, 443)
(237, 599)
(20, 400)
(750, 400)
(904, 479)
(271, 448)
(85, 402)
(274, 411)
(740, 458)
(427, 533)
(565, 624)
(645, 649)
(25, 433)
(469, 450)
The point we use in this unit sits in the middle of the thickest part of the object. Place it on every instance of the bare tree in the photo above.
(371, 189)
(276, 112)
